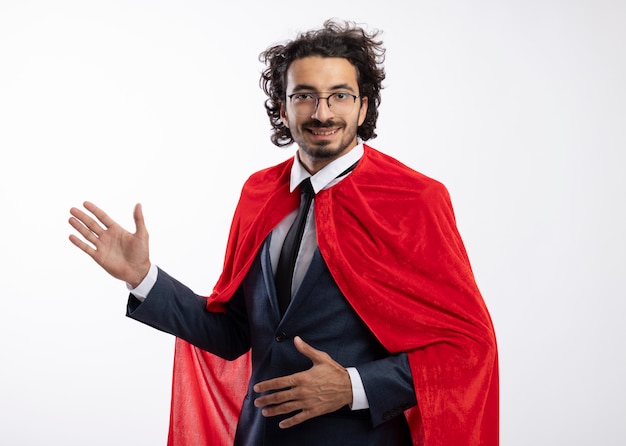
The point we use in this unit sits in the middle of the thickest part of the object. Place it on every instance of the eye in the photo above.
(342, 96)
(302, 97)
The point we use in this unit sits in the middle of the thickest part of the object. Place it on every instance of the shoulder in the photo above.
(272, 174)
(265, 196)
(267, 181)
(385, 173)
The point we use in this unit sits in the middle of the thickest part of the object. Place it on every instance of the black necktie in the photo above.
(293, 240)
(291, 246)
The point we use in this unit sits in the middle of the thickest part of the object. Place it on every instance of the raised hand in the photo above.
(122, 254)
(323, 388)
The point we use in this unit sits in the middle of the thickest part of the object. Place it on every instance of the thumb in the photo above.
(313, 354)
(140, 225)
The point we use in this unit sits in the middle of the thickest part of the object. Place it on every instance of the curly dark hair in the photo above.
(334, 39)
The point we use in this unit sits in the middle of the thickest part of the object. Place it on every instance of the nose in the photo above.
(323, 111)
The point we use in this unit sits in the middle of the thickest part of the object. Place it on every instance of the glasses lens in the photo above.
(341, 103)
(305, 104)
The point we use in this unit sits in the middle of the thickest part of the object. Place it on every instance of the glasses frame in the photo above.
(317, 101)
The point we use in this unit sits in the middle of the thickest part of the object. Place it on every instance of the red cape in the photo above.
(389, 237)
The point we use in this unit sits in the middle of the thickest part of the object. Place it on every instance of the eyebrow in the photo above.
(301, 87)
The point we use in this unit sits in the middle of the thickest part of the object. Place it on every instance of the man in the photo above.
(373, 333)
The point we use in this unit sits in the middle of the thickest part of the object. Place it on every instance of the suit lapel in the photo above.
(268, 274)
(310, 279)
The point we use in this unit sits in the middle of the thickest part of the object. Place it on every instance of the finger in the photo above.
(99, 213)
(281, 409)
(88, 233)
(313, 354)
(82, 245)
(279, 397)
(284, 382)
(86, 221)
(296, 419)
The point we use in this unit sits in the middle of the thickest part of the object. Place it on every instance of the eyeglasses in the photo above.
(340, 103)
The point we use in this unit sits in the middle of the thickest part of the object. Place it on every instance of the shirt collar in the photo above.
(326, 176)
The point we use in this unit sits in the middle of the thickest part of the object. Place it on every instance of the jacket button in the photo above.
(280, 337)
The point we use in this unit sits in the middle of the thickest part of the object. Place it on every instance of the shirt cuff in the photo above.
(359, 398)
(142, 290)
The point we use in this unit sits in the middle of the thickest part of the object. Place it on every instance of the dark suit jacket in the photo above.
(323, 318)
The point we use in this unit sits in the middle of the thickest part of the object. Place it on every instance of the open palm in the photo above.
(122, 254)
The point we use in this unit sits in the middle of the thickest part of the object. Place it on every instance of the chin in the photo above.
(323, 152)
(323, 149)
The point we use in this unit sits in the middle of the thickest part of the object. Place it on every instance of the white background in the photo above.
(519, 107)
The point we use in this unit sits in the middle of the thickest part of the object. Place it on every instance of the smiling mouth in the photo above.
(323, 132)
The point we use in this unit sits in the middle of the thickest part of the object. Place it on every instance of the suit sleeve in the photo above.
(175, 309)
(389, 387)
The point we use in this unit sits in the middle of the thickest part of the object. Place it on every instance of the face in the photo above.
(323, 136)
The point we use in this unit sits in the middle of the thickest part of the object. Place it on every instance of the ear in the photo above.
(283, 114)
(363, 110)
